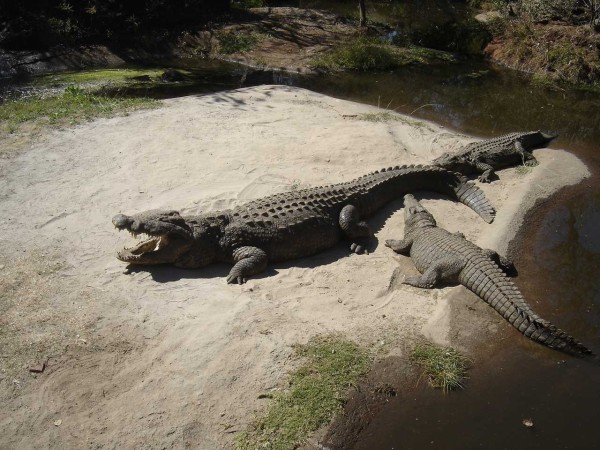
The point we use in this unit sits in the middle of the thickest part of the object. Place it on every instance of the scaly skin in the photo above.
(288, 225)
(442, 256)
(490, 154)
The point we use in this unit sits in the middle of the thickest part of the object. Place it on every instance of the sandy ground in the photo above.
(177, 359)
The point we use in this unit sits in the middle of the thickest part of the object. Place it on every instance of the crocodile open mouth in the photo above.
(164, 237)
(148, 244)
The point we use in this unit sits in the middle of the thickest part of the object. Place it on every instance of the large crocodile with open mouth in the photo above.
(287, 225)
(490, 154)
(442, 256)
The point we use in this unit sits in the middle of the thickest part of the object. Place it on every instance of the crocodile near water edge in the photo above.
(443, 256)
(288, 225)
(490, 154)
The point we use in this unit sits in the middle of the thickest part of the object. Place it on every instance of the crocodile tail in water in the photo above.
(492, 285)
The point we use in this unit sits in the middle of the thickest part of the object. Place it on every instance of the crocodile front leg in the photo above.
(399, 246)
(446, 269)
(356, 230)
(527, 157)
(486, 169)
(248, 261)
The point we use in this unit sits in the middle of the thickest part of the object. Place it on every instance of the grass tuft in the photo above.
(386, 116)
(445, 367)
(316, 392)
(73, 106)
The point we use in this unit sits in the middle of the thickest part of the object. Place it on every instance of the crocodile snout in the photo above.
(122, 221)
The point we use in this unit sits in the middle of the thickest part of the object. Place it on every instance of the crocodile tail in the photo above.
(472, 196)
(393, 182)
(491, 284)
(544, 332)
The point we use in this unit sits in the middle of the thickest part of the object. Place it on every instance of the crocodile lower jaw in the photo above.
(134, 253)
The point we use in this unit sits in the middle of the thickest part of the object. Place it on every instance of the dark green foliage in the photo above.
(44, 23)
(569, 11)
(234, 42)
(467, 37)
(250, 3)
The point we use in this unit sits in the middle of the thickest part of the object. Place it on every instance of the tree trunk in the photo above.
(362, 13)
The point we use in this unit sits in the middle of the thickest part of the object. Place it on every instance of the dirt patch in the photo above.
(284, 38)
(174, 358)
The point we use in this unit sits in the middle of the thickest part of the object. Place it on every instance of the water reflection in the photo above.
(476, 98)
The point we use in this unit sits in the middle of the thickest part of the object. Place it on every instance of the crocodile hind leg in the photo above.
(504, 263)
(248, 261)
(446, 269)
(356, 230)
(527, 157)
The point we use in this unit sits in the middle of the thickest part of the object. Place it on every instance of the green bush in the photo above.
(361, 54)
(467, 37)
(236, 41)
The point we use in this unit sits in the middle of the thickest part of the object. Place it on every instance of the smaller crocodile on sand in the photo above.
(443, 256)
(490, 154)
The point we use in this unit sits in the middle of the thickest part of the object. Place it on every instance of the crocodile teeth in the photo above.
(145, 246)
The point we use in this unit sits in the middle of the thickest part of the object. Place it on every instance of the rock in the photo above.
(37, 368)
(528, 423)
(172, 76)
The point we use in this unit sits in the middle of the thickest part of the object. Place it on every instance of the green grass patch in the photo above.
(73, 106)
(93, 76)
(316, 393)
(371, 54)
(237, 41)
(387, 116)
(379, 117)
(445, 367)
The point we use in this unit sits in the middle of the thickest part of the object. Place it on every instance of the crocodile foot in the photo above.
(359, 247)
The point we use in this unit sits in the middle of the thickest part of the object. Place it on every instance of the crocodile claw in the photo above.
(358, 249)
(233, 279)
